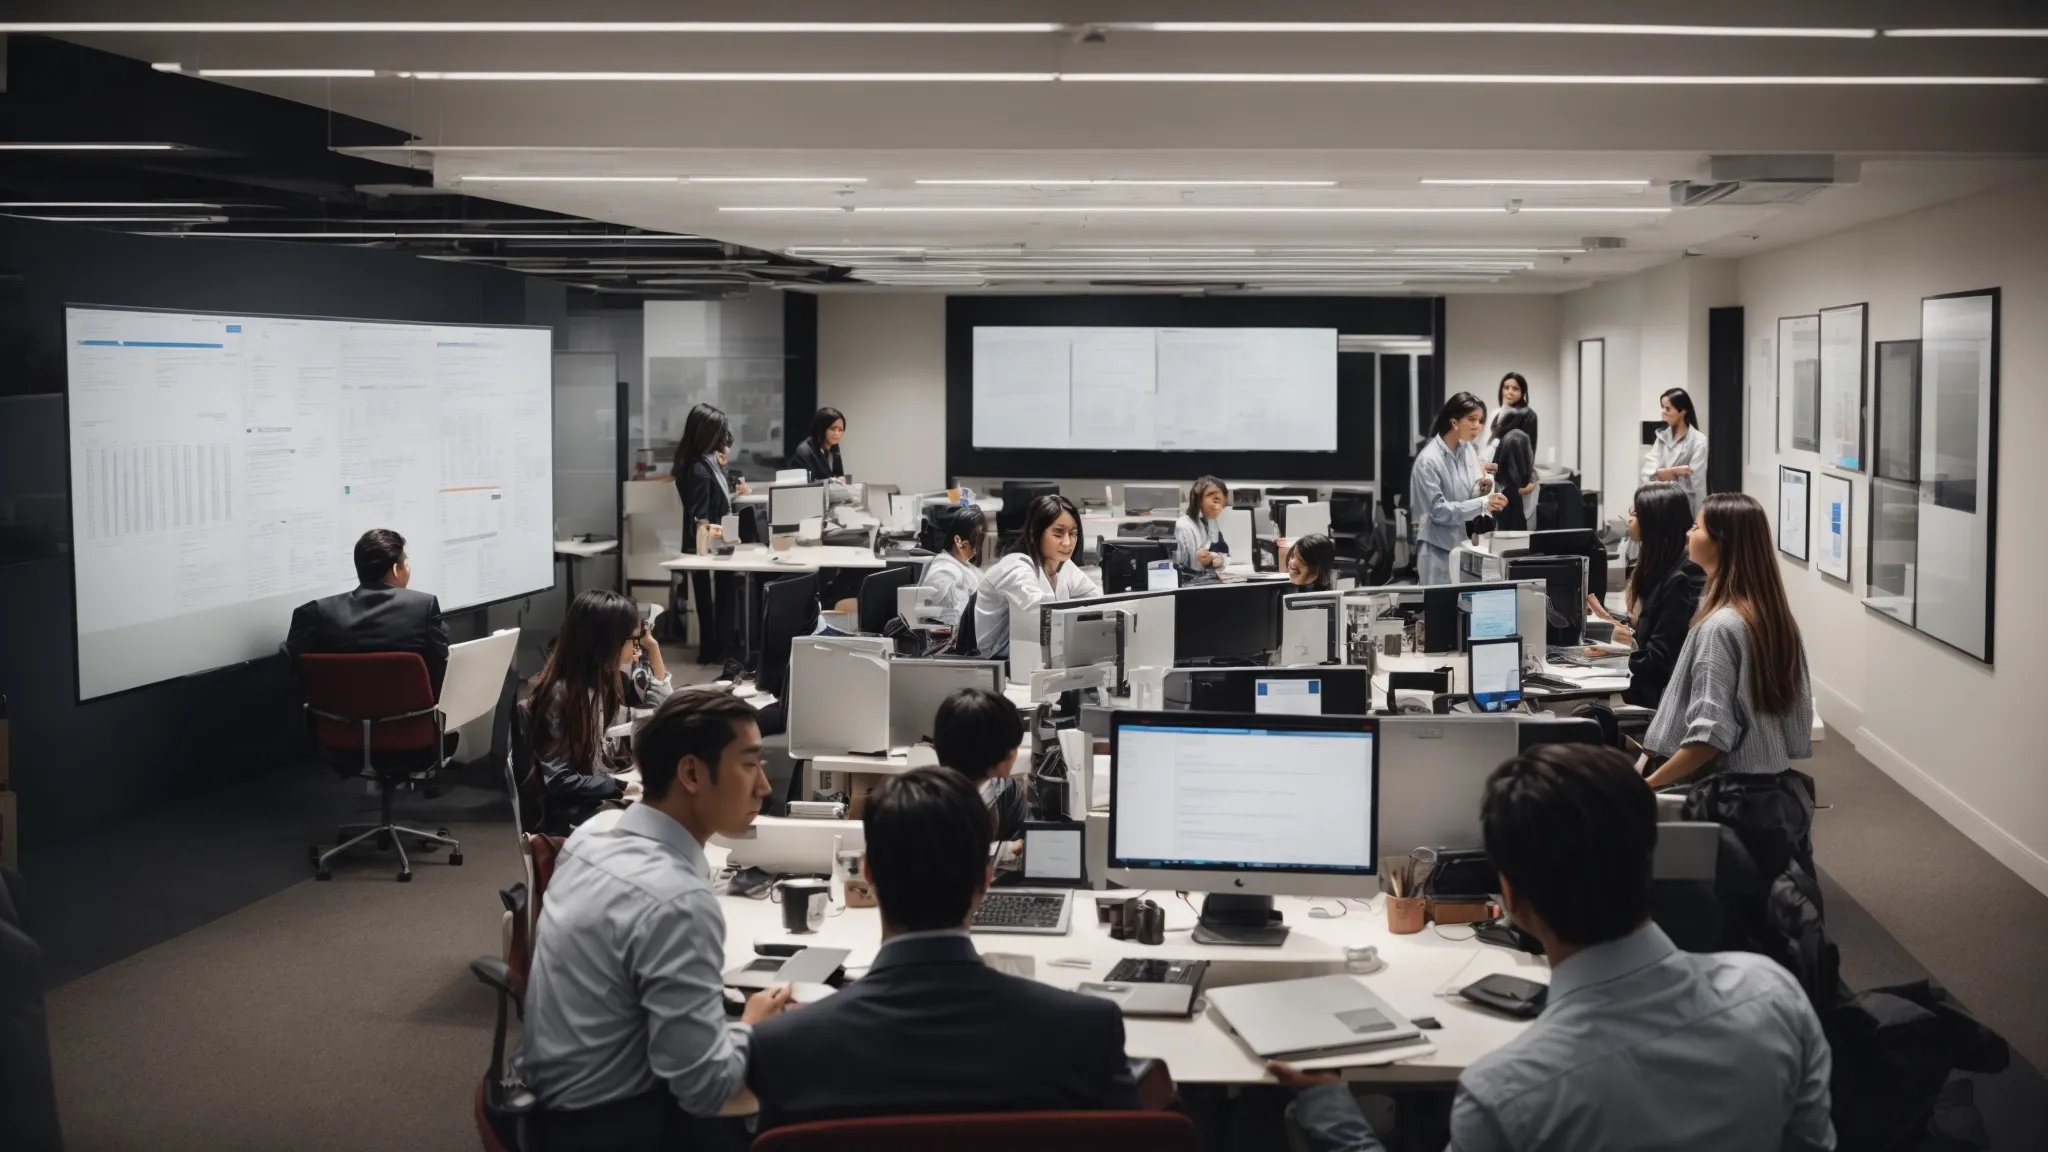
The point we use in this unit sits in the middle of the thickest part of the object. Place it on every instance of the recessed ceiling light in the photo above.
(105, 204)
(1491, 181)
(502, 178)
(1518, 28)
(23, 146)
(750, 77)
(505, 27)
(1015, 183)
(775, 179)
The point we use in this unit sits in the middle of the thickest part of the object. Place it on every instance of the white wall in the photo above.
(1960, 735)
(882, 361)
(1487, 337)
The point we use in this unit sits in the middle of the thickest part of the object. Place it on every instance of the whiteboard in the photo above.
(223, 466)
(1156, 389)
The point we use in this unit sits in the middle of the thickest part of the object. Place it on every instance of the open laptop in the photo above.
(1309, 1018)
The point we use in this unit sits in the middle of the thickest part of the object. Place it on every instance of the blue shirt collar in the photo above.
(1602, 963)
(654, 824)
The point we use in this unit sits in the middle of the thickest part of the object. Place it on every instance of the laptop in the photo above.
(1310, 1018)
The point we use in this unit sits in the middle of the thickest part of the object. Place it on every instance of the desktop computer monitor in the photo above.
(1330, 691)
(1489, 614)
(1141, 499)
(1494, 675)
(790, 505)
(1433, 772)
(918, 687)
(1444, 611)
(1565, 577)
(1228, 623)
(1124, 562)
(1244, 808)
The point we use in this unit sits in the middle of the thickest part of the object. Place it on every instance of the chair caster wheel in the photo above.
(323, 874)
(405, 877)
(455, 858)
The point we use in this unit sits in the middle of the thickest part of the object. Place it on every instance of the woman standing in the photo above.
(1312, 563)
(1198, 544)
(1514, 397)
(699, 470)
(1514, 468)
(577, 695)
(1663, 591)
(818, 455)
(1738, 706)
(1448, 486)
(1039, 568)
(1680, 453)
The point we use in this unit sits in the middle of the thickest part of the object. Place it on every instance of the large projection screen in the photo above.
(1156, 389)
(222, 467)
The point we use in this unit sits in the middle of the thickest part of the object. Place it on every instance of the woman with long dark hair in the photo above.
(1514, 468)
(589, 677)
(1680, 453)
(1448, 486)
(1040, 567)
(699, 470)
(1198, 535)
(1514, 397)
(1312, 563)
(818, 455)
(1663, 591)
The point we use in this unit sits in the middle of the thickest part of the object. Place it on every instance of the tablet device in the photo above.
(1495, 676)
(1054, 855)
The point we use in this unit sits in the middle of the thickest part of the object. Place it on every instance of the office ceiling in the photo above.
(1275, 158)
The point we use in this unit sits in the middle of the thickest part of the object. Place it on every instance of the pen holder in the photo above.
(1406, 914)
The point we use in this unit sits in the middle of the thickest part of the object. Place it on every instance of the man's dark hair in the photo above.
(975, 730)
(1573, 827)
(698, 722)
(377, 553)
(927, 847)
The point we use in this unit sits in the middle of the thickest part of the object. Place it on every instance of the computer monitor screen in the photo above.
(1443, 612)
(1565, 577)
(1496, 674)
(1124, 562)
(1489, 614)
(1142, 498)
(791, 505)
(1328, 691)
(1278, 794)
(918, 687)
(1228, 622)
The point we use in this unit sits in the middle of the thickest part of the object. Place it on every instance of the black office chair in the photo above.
(754, 524)
(790, 610)
(965, 642)
(878, 596)
(1246, 497)
(1017, 496)
(1308, 495)
(1533, 731)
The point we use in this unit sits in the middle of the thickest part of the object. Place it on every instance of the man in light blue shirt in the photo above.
(1640, 1046)
(1444, 487)
(626, 1032)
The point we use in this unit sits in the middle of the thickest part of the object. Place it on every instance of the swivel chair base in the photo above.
(386, 833)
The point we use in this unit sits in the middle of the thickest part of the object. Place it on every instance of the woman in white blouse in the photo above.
(1039, 568)
(1198, 535)
(951, 577)
(1680, 453)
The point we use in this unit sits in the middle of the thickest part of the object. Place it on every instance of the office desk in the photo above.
(574, 551)
(896, 764)
(753, 559)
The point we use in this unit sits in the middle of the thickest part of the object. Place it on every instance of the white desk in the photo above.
(796, 561)
(574, 551)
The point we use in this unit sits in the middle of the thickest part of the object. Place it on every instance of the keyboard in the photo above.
(1134, 971)
(1040, 912)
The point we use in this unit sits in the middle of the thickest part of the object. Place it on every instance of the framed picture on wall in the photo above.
(1799, 377)
(1592, 413)
(1895, 412)
(1958, 553)
(1835, 494)
(1795, 492)
(1843, 385)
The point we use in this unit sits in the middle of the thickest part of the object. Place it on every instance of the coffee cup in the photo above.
(804, 903)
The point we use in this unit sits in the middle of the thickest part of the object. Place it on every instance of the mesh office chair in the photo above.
(790, 610)
(997, 1132)
(375, 711)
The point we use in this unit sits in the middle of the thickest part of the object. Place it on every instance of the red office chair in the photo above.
(376, 710)
(993, 1132)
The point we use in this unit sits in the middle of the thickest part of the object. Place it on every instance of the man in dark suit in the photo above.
(382, 615)
(931, 1028)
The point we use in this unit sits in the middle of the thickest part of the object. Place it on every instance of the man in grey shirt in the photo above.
(1640, 1046)
(626, 1033)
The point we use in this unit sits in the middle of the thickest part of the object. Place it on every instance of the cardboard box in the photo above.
(10, 847)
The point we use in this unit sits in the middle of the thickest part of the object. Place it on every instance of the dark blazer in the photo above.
(1663, 617)
(932, 1029)
(704, 498)
(817, 463)
(1514, 466)
(373, 618)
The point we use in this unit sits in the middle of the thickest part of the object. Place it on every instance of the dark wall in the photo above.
(1349, 315)
(75, 765)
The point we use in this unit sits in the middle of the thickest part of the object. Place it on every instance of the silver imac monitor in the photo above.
(918, 687)
(1433, 772)
(790, 505)
(1244, 808)
(1141, 499)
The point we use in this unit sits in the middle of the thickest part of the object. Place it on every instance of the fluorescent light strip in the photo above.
(273, 73)
(750, 77)
(1167, 209)
(1484, 251)
(21, 146)
(514, 179)
(105, 204)
(1013, 183)
(775, 179)
(508, 27)
(1512, 28)
(580, 238)
(1963, 33)
(1533, 78)
(122, 219)
(1489, 182)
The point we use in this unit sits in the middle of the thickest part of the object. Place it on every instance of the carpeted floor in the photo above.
(207, 995)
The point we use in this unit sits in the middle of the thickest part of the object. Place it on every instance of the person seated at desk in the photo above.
(1039, 568)
(818, 455)
(627, 1041)
(1640, 1045)
(978, 733)
(1198, 544)
(381, 615)
(1663, 591)
(950, 577)
(931, 1028)
(1312, 563)
(579, 693)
